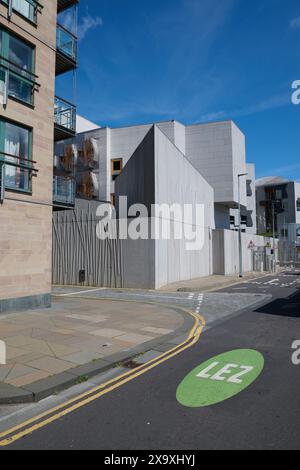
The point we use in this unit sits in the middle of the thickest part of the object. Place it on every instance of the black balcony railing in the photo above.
(63, 191)
(15, 173)
(66, 42)
(64, 119)
(16, 82)
(66, 46)
(29, 9)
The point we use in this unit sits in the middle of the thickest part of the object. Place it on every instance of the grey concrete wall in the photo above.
(180, 136)
(123, 143)
(239, 163)
(137, 180)
(139, 262)
(159, 173)
(226, 251)
(218, 251)
(176, 132)
(222, 216)
(217, 150)
(177, 181)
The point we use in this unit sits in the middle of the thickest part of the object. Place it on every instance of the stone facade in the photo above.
(26, 219)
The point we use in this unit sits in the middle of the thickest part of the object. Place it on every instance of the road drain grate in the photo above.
(131, 365)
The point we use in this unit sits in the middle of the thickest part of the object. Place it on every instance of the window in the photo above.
(16, 68)
(298, 205)
(116, 167)
(26, 8)
(15, 152)
(249, 188)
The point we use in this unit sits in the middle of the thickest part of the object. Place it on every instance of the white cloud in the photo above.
(295, 23)
(87, 23)
(274, 102)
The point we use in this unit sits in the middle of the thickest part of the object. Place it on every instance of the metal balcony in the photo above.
(64, 4)
(64, 120)
(29, 9)
(63, 191)
(16, 83)
(16, 174)
(66, 50)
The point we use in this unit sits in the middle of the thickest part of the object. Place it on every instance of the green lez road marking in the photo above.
(220, 378)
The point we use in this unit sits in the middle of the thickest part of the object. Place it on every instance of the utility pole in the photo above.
(274, 234)
(240, 226)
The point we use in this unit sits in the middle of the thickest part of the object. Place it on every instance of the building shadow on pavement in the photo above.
(292, 273)
(288, 307)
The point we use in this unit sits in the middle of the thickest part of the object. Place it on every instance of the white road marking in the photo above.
(148, 296)
(80, 292)
(272, 282)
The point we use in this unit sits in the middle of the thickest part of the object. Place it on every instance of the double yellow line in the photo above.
(49, 416)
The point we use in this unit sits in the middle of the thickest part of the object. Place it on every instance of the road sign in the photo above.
(220, 378)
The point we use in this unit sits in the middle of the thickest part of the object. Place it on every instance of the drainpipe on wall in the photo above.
(10, 9)
(2, 182)
(240, 226)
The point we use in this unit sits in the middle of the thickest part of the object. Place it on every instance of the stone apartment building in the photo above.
(34, 48)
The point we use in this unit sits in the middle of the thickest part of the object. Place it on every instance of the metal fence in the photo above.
(79, 257)
(289, 253)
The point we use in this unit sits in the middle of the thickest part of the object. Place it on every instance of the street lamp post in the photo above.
(275, 202)
(240, 226)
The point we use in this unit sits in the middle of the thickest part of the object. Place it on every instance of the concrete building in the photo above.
(159, 174)
(248, 213)
(216, 150)
(84, 125)
(34, 48)
(278, 196)
(167, 163)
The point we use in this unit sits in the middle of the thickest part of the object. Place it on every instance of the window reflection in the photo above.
(16, 151)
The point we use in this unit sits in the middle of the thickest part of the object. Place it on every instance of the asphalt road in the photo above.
(145, 414)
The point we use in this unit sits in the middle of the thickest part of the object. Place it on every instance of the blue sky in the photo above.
(195, 61)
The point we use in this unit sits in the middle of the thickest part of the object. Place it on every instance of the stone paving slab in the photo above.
(51, 349)
(88, 332)
(210, 283)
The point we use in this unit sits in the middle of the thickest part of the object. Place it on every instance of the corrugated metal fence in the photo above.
(289, 253)
(78, 252)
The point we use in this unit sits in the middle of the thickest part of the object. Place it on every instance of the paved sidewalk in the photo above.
(211, 283)
(78, 335)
